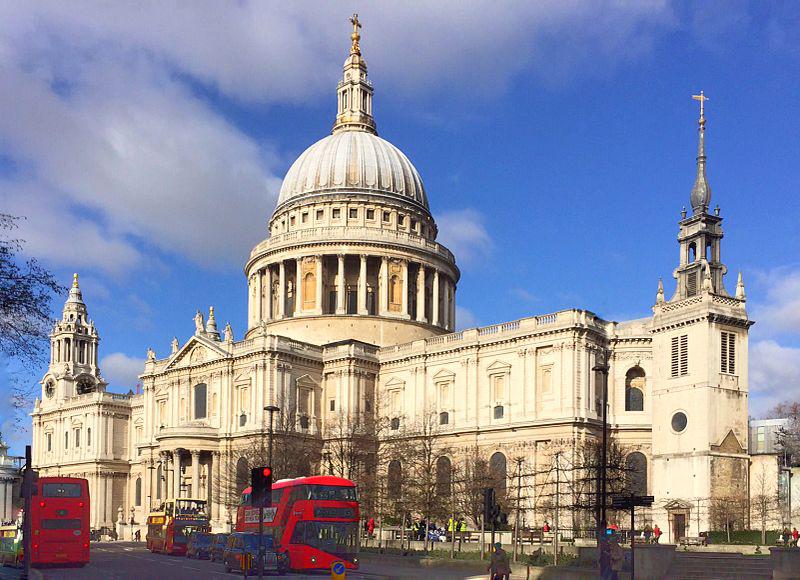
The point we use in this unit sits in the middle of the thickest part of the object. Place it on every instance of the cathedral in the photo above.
(351, 312)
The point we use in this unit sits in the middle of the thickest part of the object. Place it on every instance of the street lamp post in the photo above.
(602, 524)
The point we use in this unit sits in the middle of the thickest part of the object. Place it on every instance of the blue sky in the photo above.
(146, 144)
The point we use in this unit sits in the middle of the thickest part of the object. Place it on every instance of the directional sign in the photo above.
(626, 502)
(337, 571)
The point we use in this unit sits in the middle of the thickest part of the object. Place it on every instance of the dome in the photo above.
(353, 161)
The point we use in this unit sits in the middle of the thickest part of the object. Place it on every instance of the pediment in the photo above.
(730, 444)
(444, 375)
(395, 383)
(306, 381)
(678, 504)
(498, 367)
(196, 351)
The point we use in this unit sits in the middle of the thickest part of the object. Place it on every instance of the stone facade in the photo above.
(351, 312)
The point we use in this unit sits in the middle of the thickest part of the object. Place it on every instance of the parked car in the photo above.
(241, 554)
(199, 545)
(218, 543)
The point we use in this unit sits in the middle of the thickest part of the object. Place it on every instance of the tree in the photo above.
(475, 477)
(788, 435)
(26, 289)
(728, 513)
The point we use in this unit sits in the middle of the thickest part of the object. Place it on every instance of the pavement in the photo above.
(129, 560)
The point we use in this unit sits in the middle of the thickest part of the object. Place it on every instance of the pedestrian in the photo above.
(656, 533)
(795, 536)
(138, 536)
(371, 527)
(499, 568)
(617, 558)
(546, 527)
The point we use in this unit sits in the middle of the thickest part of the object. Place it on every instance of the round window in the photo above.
(49, 389)
(679, 422)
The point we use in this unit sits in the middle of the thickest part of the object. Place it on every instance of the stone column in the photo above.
(281, 289)
(362, 285)
(259, 297)
(435, 298)
(216, 486)
(196, 474)
(445, 314)
(318, 289)
(7, 508)
(298, 287)
(421, 294)
(404, 310)
(383, 295)
(341, 287)
(146, 474)
(452, 316)
(270, 313)
(176, 472)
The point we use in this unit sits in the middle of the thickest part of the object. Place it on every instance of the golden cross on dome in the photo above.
(355, 37)
(702, 98)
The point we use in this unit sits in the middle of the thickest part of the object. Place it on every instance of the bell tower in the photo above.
(700, 387)
(73, 366)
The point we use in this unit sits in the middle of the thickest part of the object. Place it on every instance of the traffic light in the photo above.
(260, 486)
(489, 505)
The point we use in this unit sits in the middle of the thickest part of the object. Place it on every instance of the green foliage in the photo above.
(539, 558)
(743, 537)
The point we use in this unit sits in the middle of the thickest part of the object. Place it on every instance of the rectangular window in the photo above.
(691, 284)
(88, 437)
(332, 404)
(679, 366)
(61, 490)
(337, 213)
(291, 221)
(387, 216)
(71, 524)
(77, 437)
(498, 387)
(727, 359)
(353, 213)
(304, 217)
(49, 441)
(370, 214)
(401, 219)
(320, 214)
(762, 438)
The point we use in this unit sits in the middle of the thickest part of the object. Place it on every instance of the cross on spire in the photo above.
(355, 37)
(702, 98)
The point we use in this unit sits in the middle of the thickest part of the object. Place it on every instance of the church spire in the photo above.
(701, 191)
(354, 110)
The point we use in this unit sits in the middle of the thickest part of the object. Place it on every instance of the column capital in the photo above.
(195, 453)
(363, 256)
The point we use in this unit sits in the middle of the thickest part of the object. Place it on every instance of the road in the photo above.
(127, 560)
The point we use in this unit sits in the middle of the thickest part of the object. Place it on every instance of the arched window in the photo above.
(200, 400)
(636, 473)
(692, 252)
(138, 501)
(159, 479)
(242, 474)
(498, 471)
(444, 418)
(309, 290)
(394, 483)
(444, 476)
(634, 389)
(395, 293)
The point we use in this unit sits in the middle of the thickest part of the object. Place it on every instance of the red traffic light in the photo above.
(266, 472)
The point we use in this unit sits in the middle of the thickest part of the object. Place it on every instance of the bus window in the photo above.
(62, 490)
(332, 492)
(61, 524)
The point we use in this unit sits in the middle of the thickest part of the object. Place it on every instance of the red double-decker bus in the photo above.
(170, 525)
(60, 521)
(314, 518)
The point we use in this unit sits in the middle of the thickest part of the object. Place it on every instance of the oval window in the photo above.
(679, 422)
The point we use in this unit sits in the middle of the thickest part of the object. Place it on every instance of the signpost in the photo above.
(629, 502)
(337, 571)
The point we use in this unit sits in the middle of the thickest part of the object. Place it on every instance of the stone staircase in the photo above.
(714, 566)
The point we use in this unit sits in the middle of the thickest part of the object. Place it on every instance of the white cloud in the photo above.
(465, 318)
(464, 234)
(774, 375)
(524, 295)
(121, 370)
(779, 311)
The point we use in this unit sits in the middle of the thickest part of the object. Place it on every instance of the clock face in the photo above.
(49, 389)
(85, 385)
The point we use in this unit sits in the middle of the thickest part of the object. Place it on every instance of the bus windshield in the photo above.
(335, 538)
